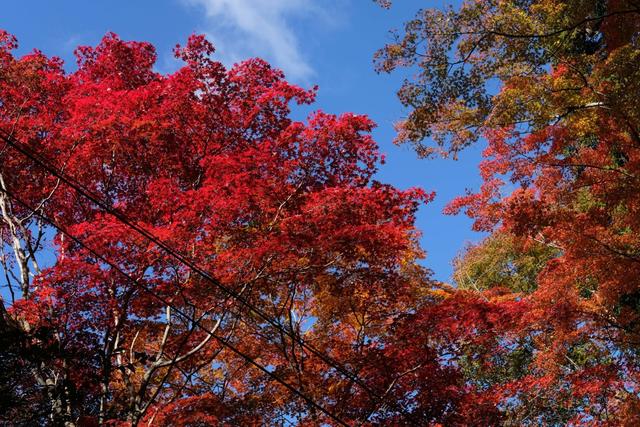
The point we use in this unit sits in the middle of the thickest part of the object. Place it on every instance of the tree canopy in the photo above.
(550, 87)
(214, 261)
(178, 250)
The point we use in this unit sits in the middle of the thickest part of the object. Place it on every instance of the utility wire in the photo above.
(45, 164)
(181, 312)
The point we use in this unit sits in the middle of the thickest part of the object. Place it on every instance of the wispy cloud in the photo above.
(265, 28)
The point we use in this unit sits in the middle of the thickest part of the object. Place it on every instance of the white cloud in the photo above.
(244, 28)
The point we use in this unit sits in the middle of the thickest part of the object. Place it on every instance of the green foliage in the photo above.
(502, 260)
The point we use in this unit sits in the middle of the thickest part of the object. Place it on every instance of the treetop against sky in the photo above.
(328, 43)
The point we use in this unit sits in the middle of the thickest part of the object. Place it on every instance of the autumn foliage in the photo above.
(552, 86)
(177, 250)
(107, 328)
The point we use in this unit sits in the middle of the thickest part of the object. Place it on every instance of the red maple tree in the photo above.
(166, 237)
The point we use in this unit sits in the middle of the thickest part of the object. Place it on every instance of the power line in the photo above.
(45, 164)
(181, 312)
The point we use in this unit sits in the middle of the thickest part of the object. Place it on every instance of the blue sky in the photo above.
(324, 42)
